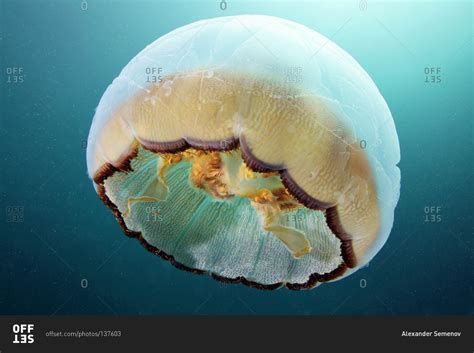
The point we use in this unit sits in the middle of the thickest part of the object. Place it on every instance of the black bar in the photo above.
(202, 334)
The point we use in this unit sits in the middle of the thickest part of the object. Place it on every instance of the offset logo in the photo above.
(23, 333)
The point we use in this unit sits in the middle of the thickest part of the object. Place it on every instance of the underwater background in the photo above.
(62, 251)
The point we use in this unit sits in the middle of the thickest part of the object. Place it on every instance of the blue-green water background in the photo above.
(68, 239)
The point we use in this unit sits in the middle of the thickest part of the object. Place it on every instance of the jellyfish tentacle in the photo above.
(156, 191)
(294, 240)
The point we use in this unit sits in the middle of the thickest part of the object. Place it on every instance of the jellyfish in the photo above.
(251, 148)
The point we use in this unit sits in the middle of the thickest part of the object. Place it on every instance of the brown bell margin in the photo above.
(124, 165)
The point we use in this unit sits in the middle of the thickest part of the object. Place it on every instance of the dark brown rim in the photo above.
(332, 218)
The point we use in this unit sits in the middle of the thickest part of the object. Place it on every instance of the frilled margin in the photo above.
(124, 165)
